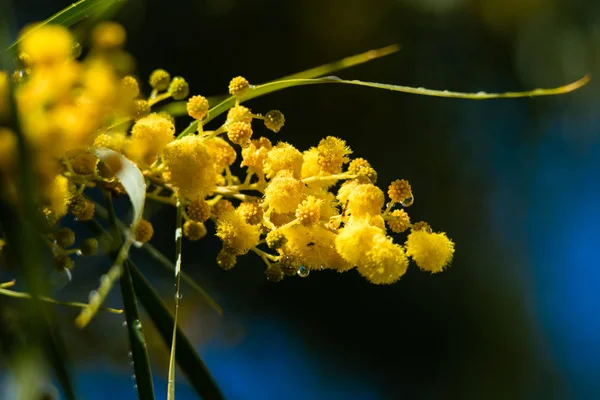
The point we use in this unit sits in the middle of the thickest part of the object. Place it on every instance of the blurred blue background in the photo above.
(515, 183)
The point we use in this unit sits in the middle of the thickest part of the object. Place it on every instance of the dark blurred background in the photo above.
(515, 183)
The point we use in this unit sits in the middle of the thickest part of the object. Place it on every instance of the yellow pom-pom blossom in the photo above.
(197, 107)
(143, 231)
(254, 156)
(159, 79)
(366, 199)
(47, 44)
(194, 230)
(239, 114)
(236, 233)
(251, 211)
(57, 194)
(198, 210)
(283, 157)
(314, 247)
(310, 163)
(179, 88)
(222, 153)
(239, 133)
(151, 134)
(355, 240)
(309, 211)
(399, 191)
(431, 251)
(114, 141)
(333, 154)
(284, 193)
(3, 93)
(130, 87)
(346, 190)
(108, 35)
(192, 170)
(385, 262)
(329, 205)
(238, 86)
(221, 207)
(400, 221)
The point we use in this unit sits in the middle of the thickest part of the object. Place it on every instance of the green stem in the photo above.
(178, 251)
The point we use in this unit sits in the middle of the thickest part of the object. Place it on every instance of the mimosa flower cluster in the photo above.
(298, 210)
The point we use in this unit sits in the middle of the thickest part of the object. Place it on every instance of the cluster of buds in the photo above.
(299, 211)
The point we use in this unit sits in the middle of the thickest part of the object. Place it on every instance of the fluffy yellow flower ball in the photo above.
(366, 199)
(385, 262)
(151, 134)
(431, 251)
(284, 193)
(236, 233)
(333, 153)
(354, 241)
(192, 169)
(283, 157)
(47, 44)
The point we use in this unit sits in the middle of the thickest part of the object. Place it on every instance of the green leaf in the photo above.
(130, 177)
(271, 87)
(137, 339)
(178, 108)
(73, 14)
(194, 369)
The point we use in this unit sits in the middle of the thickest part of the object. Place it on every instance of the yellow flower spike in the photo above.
(400, 221)
(274, 120)
(46, 45)
(284, 193)
(159, 79)
(237, 234)
(385, 262)
(194, 230)
(238, 86)
(431, 251)
(192, 169)
(240, 133)
(197, 107)
(309, 211)
(198, 210)
(333, 153)
(366, 199)
(144, 231)
(108, 35)
(283, 157)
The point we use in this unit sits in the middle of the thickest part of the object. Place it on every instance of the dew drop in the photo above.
(130, 354)
(303, 271)
(124, 324)
(179, 296)
(408, 201)
(104, 280)
(137, 324)
(134, 387)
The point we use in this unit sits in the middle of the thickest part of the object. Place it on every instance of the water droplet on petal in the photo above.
(124, 323)
(407, 202)
(179, 296)
(130, 354)
(303, 271)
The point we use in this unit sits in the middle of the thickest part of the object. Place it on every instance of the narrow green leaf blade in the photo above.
(137, 339)
(194, 369)
(271, 87)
